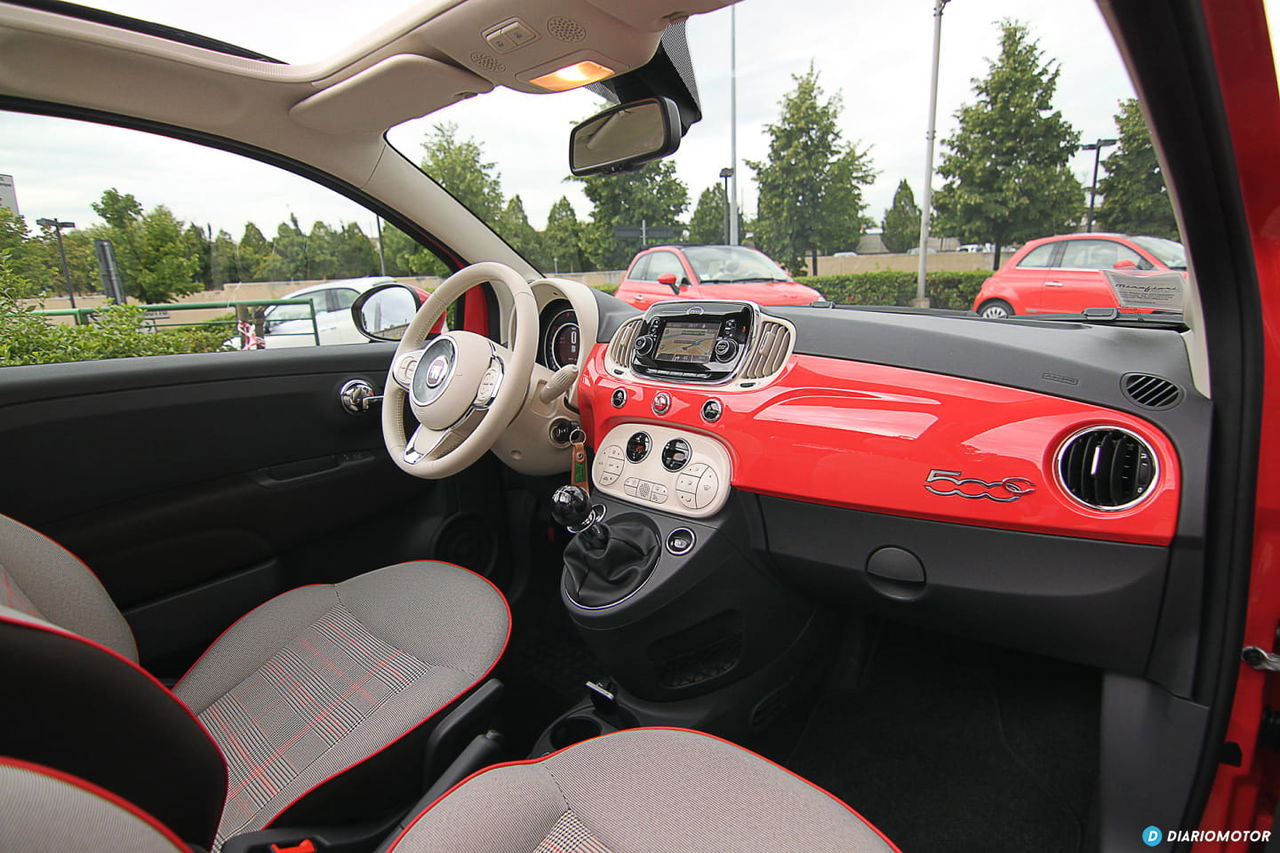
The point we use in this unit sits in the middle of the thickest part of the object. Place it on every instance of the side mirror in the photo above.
(383, 313)
(625, 137)
(1124, 265)
(669, 279)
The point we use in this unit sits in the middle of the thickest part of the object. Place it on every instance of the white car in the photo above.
(290, 325)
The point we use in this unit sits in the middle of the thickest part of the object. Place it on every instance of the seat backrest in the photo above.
(41, 578)
(77, 700)
(45, 809)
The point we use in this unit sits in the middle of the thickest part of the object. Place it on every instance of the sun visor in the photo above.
(395, 90)
(668, 75)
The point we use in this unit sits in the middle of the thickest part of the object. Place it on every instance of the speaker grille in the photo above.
(1151, 392)
(771, 351)
(1106, 468)
(485, 62)
(566, 29)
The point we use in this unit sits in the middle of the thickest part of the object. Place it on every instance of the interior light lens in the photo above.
(573, 76)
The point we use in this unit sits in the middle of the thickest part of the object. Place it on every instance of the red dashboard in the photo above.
(902, 442)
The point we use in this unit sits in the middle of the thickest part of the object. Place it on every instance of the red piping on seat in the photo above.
(101, 793)
(506, 640)
(54, 629)
(540, 759)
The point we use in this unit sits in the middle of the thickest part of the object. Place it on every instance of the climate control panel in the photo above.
(669, 469)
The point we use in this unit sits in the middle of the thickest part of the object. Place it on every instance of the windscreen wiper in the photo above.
(1115, 317)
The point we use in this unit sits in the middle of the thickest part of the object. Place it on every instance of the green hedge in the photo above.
(954, 290)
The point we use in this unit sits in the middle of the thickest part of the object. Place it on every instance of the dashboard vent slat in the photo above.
(1150, 391)
(1106, 468)
(624, 339)
(771, 351)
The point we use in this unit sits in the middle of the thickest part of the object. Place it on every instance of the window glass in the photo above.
(1041, 257)
(729, 264)
(1098, 255)
(663, 263)
(640, 272)
(205, 239)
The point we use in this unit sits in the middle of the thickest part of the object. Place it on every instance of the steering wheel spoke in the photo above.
(403, 366)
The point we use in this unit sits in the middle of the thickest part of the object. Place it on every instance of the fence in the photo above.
(249, 320)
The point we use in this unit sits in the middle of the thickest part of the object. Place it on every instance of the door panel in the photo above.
(198, 486)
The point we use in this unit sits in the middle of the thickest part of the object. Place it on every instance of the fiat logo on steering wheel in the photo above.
(436, 371)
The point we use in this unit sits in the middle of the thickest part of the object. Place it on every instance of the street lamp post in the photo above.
(57, 226)
(1096, 147)
(731, 187)
(727, 174)
(922, 301)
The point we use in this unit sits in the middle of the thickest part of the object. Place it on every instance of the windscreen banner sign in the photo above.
(1161, 291)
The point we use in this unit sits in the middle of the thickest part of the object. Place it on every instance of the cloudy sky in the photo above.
(875, 54)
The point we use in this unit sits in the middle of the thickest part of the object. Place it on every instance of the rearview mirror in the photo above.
(625, 137)
(383, 313)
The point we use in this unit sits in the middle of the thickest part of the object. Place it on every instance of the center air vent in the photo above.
(1151, 392)
(1106, 468)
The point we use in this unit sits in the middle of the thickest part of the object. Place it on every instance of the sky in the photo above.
(876, 55)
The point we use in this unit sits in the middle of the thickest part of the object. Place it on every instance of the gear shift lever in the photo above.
(571, 506)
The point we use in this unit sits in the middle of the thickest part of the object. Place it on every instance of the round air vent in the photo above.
(1150, 391)
(1106, 468)
(485, 62)
(565, 29)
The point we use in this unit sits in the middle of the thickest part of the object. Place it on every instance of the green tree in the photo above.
(405, 256)
(29, 260)
(117, 209)
(514, 227)
(167, 267)
(287, 260)
(251, 253)
(562, 239)
(1135, 199)
(1008, 165)
(707, 223)
(322, 252)
(811, 182)
(354, 253)
(459, 166)
(198, 245)
(901, 224)
(653, 194)
(224, 260)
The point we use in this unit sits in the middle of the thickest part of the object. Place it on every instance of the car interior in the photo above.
(818, 577)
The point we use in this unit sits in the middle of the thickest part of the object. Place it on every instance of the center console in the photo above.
(693, 341)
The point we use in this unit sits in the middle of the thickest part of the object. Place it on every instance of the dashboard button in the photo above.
(680, 541)
(697, 469)
(661, 403)
(630, 485)
(619, 398)
(725, 349)
(638, 447)
(687, 483)
(658, 494)
(687, 499)
(607, 478)
(675, 454)
(711, 410)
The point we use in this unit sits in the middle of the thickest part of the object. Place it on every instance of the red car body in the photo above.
(689, 272)
(1065, 274)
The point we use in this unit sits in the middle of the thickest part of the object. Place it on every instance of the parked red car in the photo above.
(1064, 274)
(710, 272)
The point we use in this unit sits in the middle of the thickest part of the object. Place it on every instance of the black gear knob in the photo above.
(570, 506)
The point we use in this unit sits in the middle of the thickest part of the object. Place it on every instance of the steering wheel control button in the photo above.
(712, 410)
(675, 454)
(680, 541)
(488, 386)
(661, 403)
(619, 398)
(638, 447)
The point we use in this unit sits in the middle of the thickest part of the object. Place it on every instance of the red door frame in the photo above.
(1244, 796)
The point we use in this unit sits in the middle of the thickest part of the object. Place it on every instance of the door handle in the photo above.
(1053, 284)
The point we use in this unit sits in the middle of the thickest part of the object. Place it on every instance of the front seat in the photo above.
(310, 708)
(631, 791)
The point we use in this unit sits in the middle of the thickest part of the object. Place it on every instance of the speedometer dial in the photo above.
(561, 339)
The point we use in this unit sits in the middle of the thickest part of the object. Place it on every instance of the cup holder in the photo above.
(573, 730)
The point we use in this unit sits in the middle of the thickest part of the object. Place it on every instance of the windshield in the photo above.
(1168, 252)
(729, 264)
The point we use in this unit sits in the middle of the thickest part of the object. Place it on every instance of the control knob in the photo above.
(725, 349)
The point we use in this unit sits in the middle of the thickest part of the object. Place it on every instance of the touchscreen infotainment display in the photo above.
(686, 342)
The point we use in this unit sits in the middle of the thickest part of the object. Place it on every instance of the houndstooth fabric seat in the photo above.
(641, 790)
(632, 791)
(292, 713)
